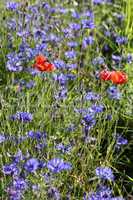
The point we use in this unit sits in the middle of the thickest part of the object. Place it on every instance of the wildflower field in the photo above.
(66, 100)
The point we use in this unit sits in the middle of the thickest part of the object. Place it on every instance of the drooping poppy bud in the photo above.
(105, 75)
(119, 77)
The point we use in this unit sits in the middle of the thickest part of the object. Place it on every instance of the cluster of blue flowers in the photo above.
(77, 117)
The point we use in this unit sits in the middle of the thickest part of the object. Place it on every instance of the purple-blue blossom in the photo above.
(54, 193)
(88, 41)
(121, 40)
(31, 165)
(57, 165)
(62, 93)
(75, 26)
(13, 6)
(22, 116)
(60, 64)
(91, 96)
(2, 138)
(70, 54)
(20, 184)
(105, 173)
(63, 148)
(116, 58)
(14, 63)
(72, 44)
(120, 141)
(98, 61)
(89, 121)
(98, 1)
(10, 169)
(97, 108)
(88, 24)
(114, 93)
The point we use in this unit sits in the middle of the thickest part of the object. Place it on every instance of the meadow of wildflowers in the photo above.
(66, 100)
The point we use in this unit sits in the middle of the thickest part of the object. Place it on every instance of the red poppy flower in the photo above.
(40, 59)
(105, 75)
(42, 64)
(118, 77)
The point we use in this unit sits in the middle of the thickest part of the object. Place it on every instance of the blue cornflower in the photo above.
(114, 93)
(14, 194)
(88, 41)
(54, 193)
(30, 84)
(14, 64)
(120, 141)
(71, 77)
(10, 169)
(31, 165)
(75, 26)
(61, 78)
(116, 58)
(42, 164)
(37, 135)
(12, 6)
(68, 33)
(18, 157)
(75, 14)
(71, 66)
(88, 24)
(62, 93)
(62, 10)
(57, 165)
(107, 33)
(38, 33)
(121, 40)
(72, 44)
(70, 54)
(129, 58)
(19, 183)
(98, 61)
(97, 108)
(102, 193)
(40, 146)
(105, 173)
(109, 117)
(91, 96)
(64, 148)
(88, 13)
(46, 6)
(60, 64)
(22, 116)
(89, 122)
(2, 138)
(12, 24)
(33, 72)
(97, 1)
(39, 48)
(53, 38)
